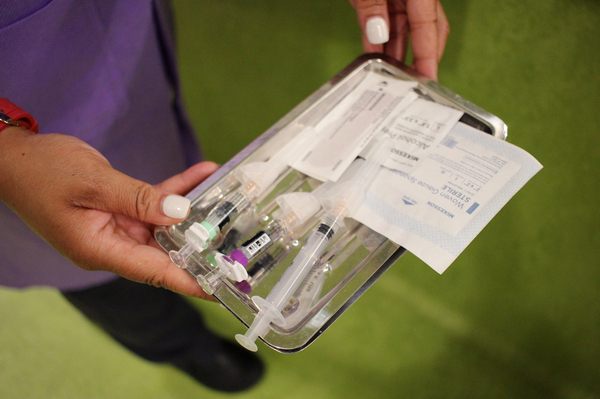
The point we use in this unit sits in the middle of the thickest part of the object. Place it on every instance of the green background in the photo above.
(516, 316)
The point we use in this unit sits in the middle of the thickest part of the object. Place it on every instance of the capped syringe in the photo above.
(255, 178)
(340, 201)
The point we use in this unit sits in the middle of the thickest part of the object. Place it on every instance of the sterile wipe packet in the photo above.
(416, 130)
(436, 211)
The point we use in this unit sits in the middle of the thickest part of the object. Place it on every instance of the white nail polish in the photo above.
(176, 206)
(377, 30)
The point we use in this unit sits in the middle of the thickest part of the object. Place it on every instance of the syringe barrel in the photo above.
(303, 262)
(306, 293)
(227, 210)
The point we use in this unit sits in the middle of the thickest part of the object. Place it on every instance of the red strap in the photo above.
(17, 114)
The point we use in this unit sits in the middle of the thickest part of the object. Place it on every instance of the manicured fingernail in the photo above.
(176, 206)
(377, 30)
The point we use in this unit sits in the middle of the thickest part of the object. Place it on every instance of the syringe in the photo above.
(308, 292)
(341, 201)
(255, 178)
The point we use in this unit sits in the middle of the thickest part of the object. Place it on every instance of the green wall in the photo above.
(516, 316)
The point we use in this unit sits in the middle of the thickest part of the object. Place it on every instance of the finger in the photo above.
(398, 44)
(369, 47)
(173, 283)
(146, 264)
(443, 30)
(114, 192)
(184, 182)
(423, 21)
(374, 22)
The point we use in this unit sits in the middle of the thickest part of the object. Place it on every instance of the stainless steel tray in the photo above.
(361, 256)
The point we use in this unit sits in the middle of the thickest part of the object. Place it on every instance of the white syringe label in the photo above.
(258, 243)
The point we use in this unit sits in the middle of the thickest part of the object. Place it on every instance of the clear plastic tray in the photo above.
(355, 257)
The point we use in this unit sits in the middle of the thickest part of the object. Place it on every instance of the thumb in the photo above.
(118, 193)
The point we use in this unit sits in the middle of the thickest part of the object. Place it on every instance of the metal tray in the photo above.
(360, 256)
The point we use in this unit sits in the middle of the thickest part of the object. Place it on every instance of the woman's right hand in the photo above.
(388, 24)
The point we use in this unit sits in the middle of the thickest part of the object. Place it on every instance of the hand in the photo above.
(425, 20)
(97, 217)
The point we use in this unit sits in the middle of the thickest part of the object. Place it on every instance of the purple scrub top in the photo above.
(103, 71)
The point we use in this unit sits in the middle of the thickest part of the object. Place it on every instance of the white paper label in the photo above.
(347, 130)
(417, 129)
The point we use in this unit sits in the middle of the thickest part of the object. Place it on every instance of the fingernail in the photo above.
(176, 206)
(377, 30)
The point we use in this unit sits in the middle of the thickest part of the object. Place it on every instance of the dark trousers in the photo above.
(154, 323)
